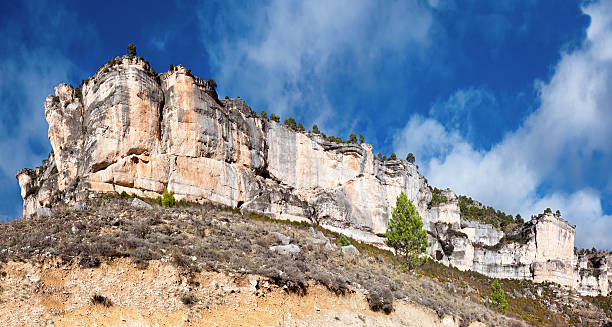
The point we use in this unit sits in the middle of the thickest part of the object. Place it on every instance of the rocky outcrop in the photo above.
(129, 129)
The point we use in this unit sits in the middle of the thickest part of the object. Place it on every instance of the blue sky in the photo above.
(506, 101)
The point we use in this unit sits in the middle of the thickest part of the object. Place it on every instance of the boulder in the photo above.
(285, 249)
(282, 239)
(350, 250)
(138, 203)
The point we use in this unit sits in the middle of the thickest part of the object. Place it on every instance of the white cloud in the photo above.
(294, 48)
(554, 146)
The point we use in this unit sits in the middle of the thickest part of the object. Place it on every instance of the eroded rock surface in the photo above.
(129, 129)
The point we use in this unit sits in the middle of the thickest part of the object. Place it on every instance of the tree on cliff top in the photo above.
(315, 129)
(405, 233)
(410, 158)
(211, 82)
(131, 50)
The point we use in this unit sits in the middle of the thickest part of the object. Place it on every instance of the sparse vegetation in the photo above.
(98, 299)
(436, 198)
(405, 233)
(472, 210)
(189, 299)
(274, 118)
(222, 239)
(78, 93)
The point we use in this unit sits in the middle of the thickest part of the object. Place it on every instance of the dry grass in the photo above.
(206, 237)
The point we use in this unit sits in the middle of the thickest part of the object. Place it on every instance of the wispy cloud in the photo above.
(555, 149)
(292, 50)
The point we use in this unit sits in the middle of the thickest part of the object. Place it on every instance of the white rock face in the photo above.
(131, 129)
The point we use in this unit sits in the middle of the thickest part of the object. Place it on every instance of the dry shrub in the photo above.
(381, 299)
(101, 300)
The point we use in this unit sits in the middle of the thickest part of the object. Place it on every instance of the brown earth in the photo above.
(51, 294)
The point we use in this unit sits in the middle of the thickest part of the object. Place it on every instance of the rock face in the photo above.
(129, 129)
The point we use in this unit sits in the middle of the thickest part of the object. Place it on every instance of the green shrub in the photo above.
(410, 158)
(171, 68)
(300, 127)
(275, 118)
(166, 200)
(352, 138)
(405, 233)
(343, 241)
(263, 115)
(498, 298)
(361, 139)
(392, 156)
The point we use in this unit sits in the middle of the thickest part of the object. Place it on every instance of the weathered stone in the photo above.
(44, 212)
(138, 203)
(282, 239)
(350, 250)
(285, 249)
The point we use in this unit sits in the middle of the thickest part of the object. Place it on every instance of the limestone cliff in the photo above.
(129, 129)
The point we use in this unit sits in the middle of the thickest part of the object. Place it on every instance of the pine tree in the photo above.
(405, 233)
(498, 297)
(263, 115)
(290, 122)
(352, 138)
(410, 158)
(275, 118)
(315, 129)
(361, 139)
(131, 50)
(519, 220)
(300, 127)
(393, 156)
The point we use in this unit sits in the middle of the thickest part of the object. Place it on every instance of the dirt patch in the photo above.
(61, 296)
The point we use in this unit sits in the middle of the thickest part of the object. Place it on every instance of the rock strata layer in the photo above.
(129, 129)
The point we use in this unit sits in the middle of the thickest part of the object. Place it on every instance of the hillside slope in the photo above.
(199, 264)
